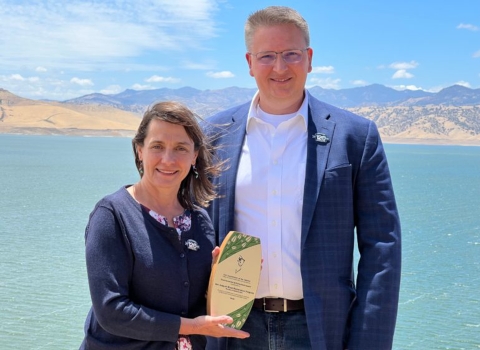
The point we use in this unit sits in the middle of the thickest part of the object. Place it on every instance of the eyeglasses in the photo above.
(268, 58)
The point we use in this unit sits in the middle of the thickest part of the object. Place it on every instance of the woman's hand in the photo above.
(213, 326)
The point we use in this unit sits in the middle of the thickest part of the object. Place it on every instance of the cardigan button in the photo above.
(185, 283)
(182, 255)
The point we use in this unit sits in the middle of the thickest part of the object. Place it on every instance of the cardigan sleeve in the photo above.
(110, 260)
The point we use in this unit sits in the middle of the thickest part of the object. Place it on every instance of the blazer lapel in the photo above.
(320, 136)
(233, 143)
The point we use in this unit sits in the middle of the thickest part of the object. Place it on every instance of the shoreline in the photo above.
(429, 141)
(131, 133)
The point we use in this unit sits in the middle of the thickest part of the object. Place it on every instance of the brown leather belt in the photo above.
(278, 304)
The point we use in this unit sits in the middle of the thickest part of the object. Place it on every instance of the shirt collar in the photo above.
(252, 112)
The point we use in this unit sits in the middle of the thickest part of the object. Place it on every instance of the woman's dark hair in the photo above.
(193, 191)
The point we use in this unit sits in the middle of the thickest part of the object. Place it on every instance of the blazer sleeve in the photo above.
(374, 312)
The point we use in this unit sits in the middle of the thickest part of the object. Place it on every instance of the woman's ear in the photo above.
(195, 157)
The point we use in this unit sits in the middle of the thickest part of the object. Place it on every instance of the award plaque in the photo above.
(234, 279)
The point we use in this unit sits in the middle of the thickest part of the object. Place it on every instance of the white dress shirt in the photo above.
(269, 195)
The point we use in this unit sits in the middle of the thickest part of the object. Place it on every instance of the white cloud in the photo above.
(402, 74)
(34, 87)
(111, 90)
(41, 69)
(81, 82)
(323, 70)
(436, 88)
(327, 83)
(476, 54)
(404, 65)
(471, 27)
(359, 82)
(85, 35)
(401, 69)
(17, 77)
(142, 87)
(406, 87)
(463, 83)
(220, 75)
(159, 79)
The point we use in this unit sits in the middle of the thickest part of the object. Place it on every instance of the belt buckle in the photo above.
(285, 308)
(265, 306)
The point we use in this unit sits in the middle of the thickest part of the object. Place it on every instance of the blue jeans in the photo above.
(273, 331)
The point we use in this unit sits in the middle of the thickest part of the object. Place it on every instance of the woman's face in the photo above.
(167, 155)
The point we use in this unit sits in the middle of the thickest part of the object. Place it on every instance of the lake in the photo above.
(49, 185)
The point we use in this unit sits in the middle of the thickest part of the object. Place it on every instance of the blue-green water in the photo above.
(49, 184)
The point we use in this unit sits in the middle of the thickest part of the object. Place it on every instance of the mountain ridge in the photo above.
(370, 95)
(450, 116)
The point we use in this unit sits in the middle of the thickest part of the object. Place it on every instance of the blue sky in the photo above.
(65, 49)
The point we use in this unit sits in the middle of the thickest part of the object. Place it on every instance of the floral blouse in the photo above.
(181, 223)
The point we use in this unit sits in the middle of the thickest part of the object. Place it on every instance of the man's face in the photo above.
(281, 85)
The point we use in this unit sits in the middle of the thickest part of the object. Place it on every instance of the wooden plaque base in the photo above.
(235, 276)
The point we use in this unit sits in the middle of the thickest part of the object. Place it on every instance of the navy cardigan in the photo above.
(142, 278)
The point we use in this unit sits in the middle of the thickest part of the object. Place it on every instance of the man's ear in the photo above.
(249, 61)
(310, 57)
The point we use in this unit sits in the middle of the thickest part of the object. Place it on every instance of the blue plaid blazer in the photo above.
(348, 195)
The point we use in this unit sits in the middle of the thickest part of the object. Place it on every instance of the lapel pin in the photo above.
(321, 138)
(192, 245)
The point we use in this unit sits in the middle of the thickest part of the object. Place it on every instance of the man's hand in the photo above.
(215, 254)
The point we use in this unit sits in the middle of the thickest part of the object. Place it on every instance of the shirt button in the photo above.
(182, 255)
(275, 162)
(274, 192)
(276, 286)
(185, 284)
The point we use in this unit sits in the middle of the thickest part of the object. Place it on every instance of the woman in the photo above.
(149, 246)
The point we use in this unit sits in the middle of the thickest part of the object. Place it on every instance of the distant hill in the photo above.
(24, 116)
(455, 95)
(208, 102)
(204, 103)
(450, 116)
(371, 95)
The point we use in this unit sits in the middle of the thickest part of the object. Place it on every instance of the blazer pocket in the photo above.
(337, 186)
(341, 171)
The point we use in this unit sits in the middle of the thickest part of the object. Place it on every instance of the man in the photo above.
(304, 177)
